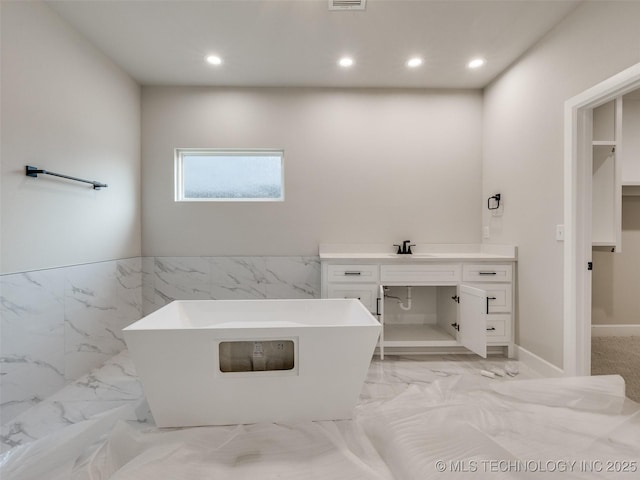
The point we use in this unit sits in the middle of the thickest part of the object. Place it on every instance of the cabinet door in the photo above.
(499, 296)
(498, 328)
(473, 319)
(380, 313)
(367, 294)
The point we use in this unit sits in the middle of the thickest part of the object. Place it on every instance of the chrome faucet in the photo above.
(405, 249)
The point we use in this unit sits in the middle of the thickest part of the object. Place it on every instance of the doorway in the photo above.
(578, 172)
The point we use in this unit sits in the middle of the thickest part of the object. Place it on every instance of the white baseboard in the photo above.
(615, 330)
(538, 364)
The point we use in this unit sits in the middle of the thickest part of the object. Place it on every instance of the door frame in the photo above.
(578, 112)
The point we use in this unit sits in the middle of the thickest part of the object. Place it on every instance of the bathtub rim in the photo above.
(348, 309)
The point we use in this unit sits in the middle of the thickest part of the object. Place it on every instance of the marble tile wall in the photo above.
(226, 278)
(59, 324)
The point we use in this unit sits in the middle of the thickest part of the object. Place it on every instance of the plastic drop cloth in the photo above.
(520, 429)
(529, 426)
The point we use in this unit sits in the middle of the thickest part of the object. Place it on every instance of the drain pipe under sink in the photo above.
(408, 306)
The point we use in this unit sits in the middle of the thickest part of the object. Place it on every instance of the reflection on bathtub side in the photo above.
(256, 356)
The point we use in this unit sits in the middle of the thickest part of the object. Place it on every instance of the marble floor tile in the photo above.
(417, 417)
(393, 375)
(113, 385)
(116, 383)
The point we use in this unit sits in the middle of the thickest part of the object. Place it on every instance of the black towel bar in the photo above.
(34, 171)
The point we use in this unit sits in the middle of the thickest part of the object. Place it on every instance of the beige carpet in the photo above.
(618, 355)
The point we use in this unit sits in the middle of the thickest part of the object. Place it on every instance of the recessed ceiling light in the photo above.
(476, 63)
(214, 60)
(414, 62)
(345, 62)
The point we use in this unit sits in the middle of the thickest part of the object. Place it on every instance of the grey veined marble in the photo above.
(32, 339)
(60, 323)
(418, 417)
(228, 278)
(116, 384)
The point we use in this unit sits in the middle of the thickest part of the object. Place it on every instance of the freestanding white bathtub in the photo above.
(221, 362)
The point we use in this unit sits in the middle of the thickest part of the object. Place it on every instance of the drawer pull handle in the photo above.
(489, 298)
(491, 329)
(353, 273)
(487, 273)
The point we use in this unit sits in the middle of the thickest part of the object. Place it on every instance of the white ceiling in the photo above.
(298, 42)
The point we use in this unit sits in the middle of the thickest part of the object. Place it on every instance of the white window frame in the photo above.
(227, 152)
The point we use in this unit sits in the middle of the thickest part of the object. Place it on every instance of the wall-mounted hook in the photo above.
(496, 199)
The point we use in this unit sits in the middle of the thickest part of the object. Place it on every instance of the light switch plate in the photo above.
(560, 233)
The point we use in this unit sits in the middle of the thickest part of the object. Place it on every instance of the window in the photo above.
(256, 356)
(229, 175)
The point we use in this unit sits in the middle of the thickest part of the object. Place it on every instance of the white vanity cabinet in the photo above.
(439, 303)
(352, 281)
(497, 281)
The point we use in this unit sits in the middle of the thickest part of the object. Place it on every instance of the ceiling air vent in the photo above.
(347, 4)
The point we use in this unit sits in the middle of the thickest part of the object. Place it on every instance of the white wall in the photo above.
(69, 109)
(66, 108)
(523, 152)
(360, 166)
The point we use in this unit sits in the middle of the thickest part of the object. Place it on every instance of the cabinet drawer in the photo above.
(500, 296)
(498, 328)
(352, 273)
(408, 274)
(367, 294)
(487, 273)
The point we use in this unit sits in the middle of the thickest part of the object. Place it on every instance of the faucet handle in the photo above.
(409, 249)
(399, 252)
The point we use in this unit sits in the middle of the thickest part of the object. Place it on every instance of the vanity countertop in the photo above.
(421, 252)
